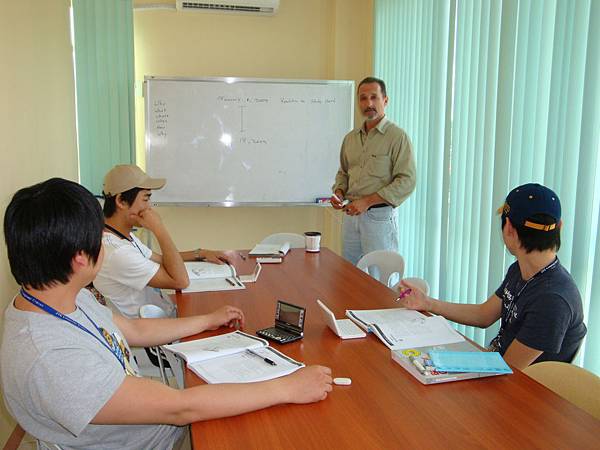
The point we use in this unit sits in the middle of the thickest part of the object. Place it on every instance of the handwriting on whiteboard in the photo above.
(161, 117)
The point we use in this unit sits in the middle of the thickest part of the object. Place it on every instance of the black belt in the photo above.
(379, 205)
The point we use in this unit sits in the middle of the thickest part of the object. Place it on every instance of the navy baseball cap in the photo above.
(524, 202)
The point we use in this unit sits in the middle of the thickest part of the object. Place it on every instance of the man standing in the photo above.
(132, 274)
(377, 173)
(538, 302)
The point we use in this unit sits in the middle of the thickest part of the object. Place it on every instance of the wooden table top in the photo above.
(385, 407)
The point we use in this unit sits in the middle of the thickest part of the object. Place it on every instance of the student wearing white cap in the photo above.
(132, 274)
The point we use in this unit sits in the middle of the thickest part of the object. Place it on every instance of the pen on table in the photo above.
(267, 360)
(230, 282)
(242, 256)
(403, 294)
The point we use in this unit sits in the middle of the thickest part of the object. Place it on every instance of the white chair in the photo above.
(579, 386)
(156, 312)
(382, 265)
(295, 240)
(417, 282)
(42, 445)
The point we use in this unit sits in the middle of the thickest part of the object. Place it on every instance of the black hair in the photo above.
(110, 202)
(532, 239)
(45, 226)
(379, 81)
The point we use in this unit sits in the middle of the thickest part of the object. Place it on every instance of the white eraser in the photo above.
(342, 381)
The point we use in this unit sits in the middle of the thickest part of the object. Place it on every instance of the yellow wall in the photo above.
(328, 39)
(37, 117)
(311, 39)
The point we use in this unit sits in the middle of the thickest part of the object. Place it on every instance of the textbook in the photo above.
(270, 250)
(404, 328)
(234, 357)
(420, 362)
(205, 276)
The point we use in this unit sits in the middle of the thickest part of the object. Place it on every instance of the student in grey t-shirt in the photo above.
(50, 357)
(65, 367)
(538, 302)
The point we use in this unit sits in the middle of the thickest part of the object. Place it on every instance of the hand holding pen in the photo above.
(404, 293)
(411, 297)
(337, 202)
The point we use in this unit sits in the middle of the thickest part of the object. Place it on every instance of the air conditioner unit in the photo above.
(261, 7)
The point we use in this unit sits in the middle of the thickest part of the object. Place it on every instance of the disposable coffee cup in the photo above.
(312, 241)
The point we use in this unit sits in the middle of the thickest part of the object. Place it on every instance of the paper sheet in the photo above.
(245, 368)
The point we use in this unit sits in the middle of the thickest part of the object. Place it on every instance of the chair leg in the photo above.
(161, 367)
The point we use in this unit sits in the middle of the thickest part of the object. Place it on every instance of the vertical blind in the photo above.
(104, 79)
(413, 60)
(519, 102)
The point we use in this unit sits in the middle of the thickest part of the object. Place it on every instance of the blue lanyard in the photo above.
(115, 350)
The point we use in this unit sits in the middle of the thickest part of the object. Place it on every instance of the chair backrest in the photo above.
(152, 312)
(382, 264)
(579, 386)
(295, 240)
(43, 445)
(96, 293)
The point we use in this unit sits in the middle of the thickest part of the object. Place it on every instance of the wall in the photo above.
(311, 39)
(37, 118)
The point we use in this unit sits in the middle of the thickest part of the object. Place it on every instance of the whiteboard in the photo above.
(239, 141)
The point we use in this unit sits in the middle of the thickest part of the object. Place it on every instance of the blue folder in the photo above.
(486, 362)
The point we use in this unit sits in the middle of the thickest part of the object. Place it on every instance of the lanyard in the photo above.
(122, 236)
(513, 302)
(495, 344)
(115, 350)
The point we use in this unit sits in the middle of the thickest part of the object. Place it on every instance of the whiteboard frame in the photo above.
(233, 80)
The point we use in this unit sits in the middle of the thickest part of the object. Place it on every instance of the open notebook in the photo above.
(205, 276)
(270, 250)
(404, 328)
(234, 357)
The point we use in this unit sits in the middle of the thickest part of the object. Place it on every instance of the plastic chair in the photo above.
(43, 445)
(295, 240)
(579, 386)
(382, 265)
(419, 283)
(156, 312)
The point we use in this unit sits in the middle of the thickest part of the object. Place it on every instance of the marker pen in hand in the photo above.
(404, 294)
(343, 202)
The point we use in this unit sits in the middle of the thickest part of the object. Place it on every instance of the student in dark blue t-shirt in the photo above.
(538, 302)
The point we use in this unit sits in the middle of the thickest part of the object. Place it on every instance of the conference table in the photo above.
(385, 407)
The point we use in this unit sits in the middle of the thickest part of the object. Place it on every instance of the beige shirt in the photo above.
(381, 161)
